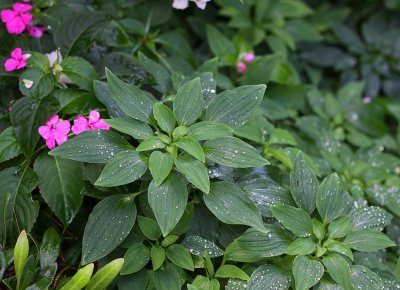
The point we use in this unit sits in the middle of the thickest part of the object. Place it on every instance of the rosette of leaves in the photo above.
(320, 233)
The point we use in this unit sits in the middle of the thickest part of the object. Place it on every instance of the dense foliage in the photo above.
(200, 145)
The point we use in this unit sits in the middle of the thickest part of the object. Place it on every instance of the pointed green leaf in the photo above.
(269, 277)
(168, 202)
(132, 101)
(149, 227)
(135, 281)
(364, 278)
(188, 104)
(231, 271)
(366, 240)
(109, 224)
(164, 116)
(371, 217)
(49, 247)
(94, 146)
(125, 167)
(233, 152)
(306, 272)
(330, 201)
(232, 205)
(160, 165)
(208, 130)
(135, 258)
(338, 269)
(21, 251)
(199, 246)
(191, 146)
(340, 227)
(301, 246)
(132, 127)
(151, 143)
(80, 71)
(167, 279)
(157, 254)
(219, 44)
(80, 279)
(105, 275)
(180, 256)
(194, 171)
(338, 247)
(9, 147)
(297, 220)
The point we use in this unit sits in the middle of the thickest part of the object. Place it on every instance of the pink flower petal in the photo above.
(63, 127)
(100, 125)
(241, 67)
(36, 32)
(53, 120)
(60, 138)
(11, 64)
(26, 18)
(248, 57)
(25, 56)
(21, 7)
(15, 26)
(44, 131)
(17, 53)
(51, 143)
(21, 64)
(80, 125)
(94, 116)
(7, 15)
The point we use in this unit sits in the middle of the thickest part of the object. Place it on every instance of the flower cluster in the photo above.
(18, 19)
(183, 4)
(244, 59)
(56, 131)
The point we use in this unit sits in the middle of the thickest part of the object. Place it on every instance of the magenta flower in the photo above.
(183, 4)
(248, 57)
(35, 31)
(94, 122)
(17, 60)
(17, 20)
(241, 67)
(55, 131)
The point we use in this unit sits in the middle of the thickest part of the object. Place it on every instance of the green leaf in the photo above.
(364, 278)
(132, 127)
(28, 274)
(269, 277)
(102, 93)
(303, 184)
(301, 246)
(231, 271)
(340, 227)
(338, 269)
(188, 104)
(297, 220)
(105, 275)
(113, 35)
(201, 283)
(233, 152)
(149, 227)
(180, 256)
(36, 83)
(232, 205)
(366, 240)
(160, 74)
(371, 217)
(164, 116)
(318, 229)
(306, 272)
(199, 246)
(49, 247)
(194, 171)
(38, 60)
(94, 146)
(21, 252)
(291, 9)
(109, 224)
(280, 136)
(167, 279)
(219, 44)
(81, 72)
(61, 183)
(191, 146)
(160, 165)
(235, 107)
(208, 130)
(168, 202)
(125, 167)
(157, 257)
(132, 101)
(9, 147)
(77, 31)
(137, 281)
(330, 201)
(135, 258)
(338, 247)
(151, 143)
(263, 245)
(26, 117)
(80, 279)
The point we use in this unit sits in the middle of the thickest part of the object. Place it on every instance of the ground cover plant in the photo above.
(202, 144)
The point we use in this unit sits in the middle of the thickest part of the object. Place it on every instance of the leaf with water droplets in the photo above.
(235, 107)
(94, 146)
(194, 171)
(339, 269)
(303, 184)
(271, 244)
(330, 201)
(188, 104)
(160, 165)
(269, 277)
(132, 127)
(125, 167)
(198, 246)
(164, 116)
(366, 240)
(232, 205)
(108, 225)
(151, 143)
(306, 272)
(236, 284)
(233, 152)
(371, 217)
(132, 101)
(168, 202)
(136, 257)
(297, 220)
(363, 278)
(340, 227)
(301, 246)
(49, 247)
(61, 182)
(208, 130)
(231, 271)
(191, 146)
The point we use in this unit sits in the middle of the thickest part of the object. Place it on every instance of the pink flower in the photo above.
(35, 31)
(241, 67)
(94, 122)
(248, 57)
(16, 20)
(183, 4)
(55, 131)
(17, 60)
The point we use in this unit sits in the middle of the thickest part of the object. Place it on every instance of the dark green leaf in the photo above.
(198, 246)
(294, 219)
(306, 272)
(180, 256)
(161, 75)
(194, 171)
(366, 240)
(338, 269)
(340, 227)
(135, 258)
(269, 277)
(149, 227)
(81, 72)
(364, 278)
(330, 201)
(49, 247)
(371, 217)
(160, 165)
(9, 147)
(188, 104)
(36, 83)
(164, 116)
(167, 279)
(137, 281)
(208, 130)
(132, 127)
(102, 93)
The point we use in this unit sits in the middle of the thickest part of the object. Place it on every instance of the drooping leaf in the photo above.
(194, 171)
(160, 165)
(306, 272)
(188, 103)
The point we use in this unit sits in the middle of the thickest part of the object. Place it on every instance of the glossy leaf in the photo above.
(371, 217)
(366, 240)
(164, 116)
(330, 202)
(180, 256)
(149, 227)
(157, 254)
(80, 279)
(338, 269)
(198, 246)
(167, 279)
(191, 146)
(208, 130)
(188, 103)
(340, 227)
(132, 127)
(36, 83)
(306, 272)
(194, 171)
(151, 143)
(301, 246)
(135, 258)
(105, 275)
(364, 278)
(9, 147)
(294, 219)
(49, 247)
(81, 72)
(269, 277)
(21, 251)
(160, 165)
